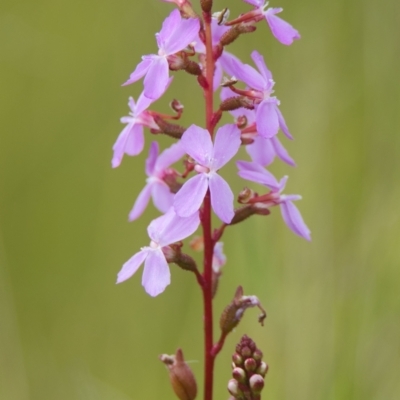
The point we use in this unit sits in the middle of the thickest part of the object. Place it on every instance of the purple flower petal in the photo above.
(169, 156)
(197, 143)
(168, 27)
(180, 228)
(261, 151)
(139, 72)
(141, 203)
(142, 104)
(157, 78)
(162, 196)
(184, 34)
(135, 141)
(226, 145)
(262, 67)
(267, 119)
(281, 29)
(256, 173)
(190, 196)
(131, 266)
(221, 198)
(281, 152)
(282, 123)
(156, 275)
(293, 219)
(157, 228)
(152, 158)
(255, 3)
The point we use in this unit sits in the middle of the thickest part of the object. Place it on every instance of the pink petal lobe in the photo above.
(267, 119)
(226, 144)
(261, 151)
(281, 29)
(262, 67)
(256, 173)
(156, 275)
(282, 123)
(190, 196)
(157, 78)
(180, 228)
(162, 196)
(281, 152)
(140, 203)
(139, 72)
(119, 146)
(131, 266)
(221, 198)
(184, 34)
(197, 143)
(293, 219)
(135, 141)
(169, 156)
(152, 158)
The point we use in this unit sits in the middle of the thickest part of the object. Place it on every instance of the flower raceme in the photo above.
(163, 231)
(209, 159)
(157, 168)
(175, 35)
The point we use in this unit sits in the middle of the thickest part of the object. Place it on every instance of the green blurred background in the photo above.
(68, 332)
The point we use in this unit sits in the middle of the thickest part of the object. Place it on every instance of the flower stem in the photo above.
(206, 224)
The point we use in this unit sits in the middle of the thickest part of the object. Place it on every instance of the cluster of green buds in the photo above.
(248, 371)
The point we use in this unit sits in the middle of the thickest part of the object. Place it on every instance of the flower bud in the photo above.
(233, 389)
(173, 130)
(181, 376)
(239, 374)
(256, 384)
(262, 369)
(250, 365)
(237, 360)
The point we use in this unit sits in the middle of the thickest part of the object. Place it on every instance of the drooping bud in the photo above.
(233, 313)
(181, 376)
(230, 36)
(173, 130)
(173, 254)
(247, 384)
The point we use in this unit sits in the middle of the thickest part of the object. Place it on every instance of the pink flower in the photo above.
(175, 35)
(268, 116)
(290, 214)
(281, 29)
(163, 231)
(209, 158)
(131, 140)
(157, 167)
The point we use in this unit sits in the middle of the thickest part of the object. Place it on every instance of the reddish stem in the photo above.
(206, 224)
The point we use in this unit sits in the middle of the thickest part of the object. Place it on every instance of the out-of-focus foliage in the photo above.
(68, 332)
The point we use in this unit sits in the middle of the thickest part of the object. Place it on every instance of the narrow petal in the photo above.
(152, 158)
(221, 198)
(169, 156)
(226, 145)
(132, 265)
(293, 219)
(184, 34)
(282, 123)
(218, 73)
(156, 275)
(180, 228)
(256, 173)
(140, 203)
(197, 143)
(281, 152)
(157, 228)
(139, 72)
(162, 196)
(261, 151)
(190, 196)
(281, 29)
(262, 67)
(119, 146)
(142, 104)
(135, 141)
(168, 27)
(157, 78)
(267, 119)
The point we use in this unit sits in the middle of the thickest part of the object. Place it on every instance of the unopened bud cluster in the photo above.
(248, 371)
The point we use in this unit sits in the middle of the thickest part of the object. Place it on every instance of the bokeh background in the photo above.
(68, 332)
